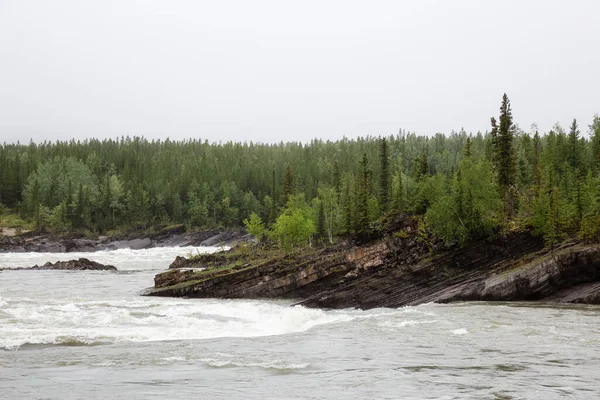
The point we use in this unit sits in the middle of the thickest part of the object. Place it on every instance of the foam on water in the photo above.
(460, 331)
(123, 259)
(25, 321)
(229, 361)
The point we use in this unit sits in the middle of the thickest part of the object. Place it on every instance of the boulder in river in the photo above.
(83, 264)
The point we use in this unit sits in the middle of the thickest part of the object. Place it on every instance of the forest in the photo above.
(461, 186)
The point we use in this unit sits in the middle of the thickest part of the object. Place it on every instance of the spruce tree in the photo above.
(321, 229)
(362, 203)
(506, 165)
(467, 149)
(595, 138)
(288, 183)
(422, 166)
(573, 155)
(492, 145)
(399, 195)
(337, 179)
(384, 182)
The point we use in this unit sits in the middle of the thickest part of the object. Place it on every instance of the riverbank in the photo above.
(169, 237)
(398, 269)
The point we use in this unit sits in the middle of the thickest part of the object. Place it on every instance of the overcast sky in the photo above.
(281, 70)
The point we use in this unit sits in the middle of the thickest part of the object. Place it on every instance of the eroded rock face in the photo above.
(571, 274)
(83, 264)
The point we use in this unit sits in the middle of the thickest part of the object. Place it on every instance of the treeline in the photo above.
(464, 186)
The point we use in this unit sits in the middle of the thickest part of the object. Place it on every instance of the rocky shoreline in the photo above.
(395, 270)
(171, 237)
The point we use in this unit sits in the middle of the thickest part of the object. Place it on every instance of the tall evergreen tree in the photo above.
(399, 198)
(337, 178)
(574, 155)
(595, 138)
(506, 162)
(362, 203)
(384, 182)
(467, 149)
(288, 183)
(492, 145)
(321, 229)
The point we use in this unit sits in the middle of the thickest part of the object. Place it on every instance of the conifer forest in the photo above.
(462, 186)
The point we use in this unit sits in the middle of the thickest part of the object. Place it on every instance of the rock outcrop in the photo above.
(398, 270)
(168, 237)
(83, 264)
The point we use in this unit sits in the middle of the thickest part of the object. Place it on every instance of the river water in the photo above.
(89, 335)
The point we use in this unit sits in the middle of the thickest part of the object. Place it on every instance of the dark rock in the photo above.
(83, 264)
(168, 237)
(400, 270)
(172, 277)
(180, 262)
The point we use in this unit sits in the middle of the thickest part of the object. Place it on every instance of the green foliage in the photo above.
(288, 183)
(320, 229)
(505, 156)
(398, 188)
(328, 198)
(295, 226)
(255, 226)
(544, 181)
(573, 148)
(9, 219)
(361, 220)
(553, 212)
(469, 210)
(59, 218)
(384, 175)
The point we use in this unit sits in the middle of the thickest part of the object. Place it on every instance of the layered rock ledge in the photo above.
(82, 264)
(397, 270)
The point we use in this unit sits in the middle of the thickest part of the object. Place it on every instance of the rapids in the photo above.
(89, 335)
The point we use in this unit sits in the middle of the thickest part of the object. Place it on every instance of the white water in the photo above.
(101, 307)
(64, 334)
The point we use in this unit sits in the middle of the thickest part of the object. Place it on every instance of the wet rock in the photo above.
(82, 264)
(180, 262)
(172, 277)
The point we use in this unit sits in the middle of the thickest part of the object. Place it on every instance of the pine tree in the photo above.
(467, 149)
(362, 204)
(399, 200)
(288, 183)
(492, 145)
(573, 155)
(337, 179)
(321, 228)
(422, 166)
(578, 199)
(537, 148)
(347, 206)
(384, 183)
(552, 231)
(595, 138)
(506, 163)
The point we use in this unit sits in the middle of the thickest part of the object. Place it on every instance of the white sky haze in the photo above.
(279, 70)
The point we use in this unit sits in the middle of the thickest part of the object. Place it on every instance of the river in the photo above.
(89, 335)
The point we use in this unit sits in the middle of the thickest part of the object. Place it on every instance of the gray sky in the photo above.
(280, 70)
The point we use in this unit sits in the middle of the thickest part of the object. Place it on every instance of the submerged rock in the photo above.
(83, 264)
